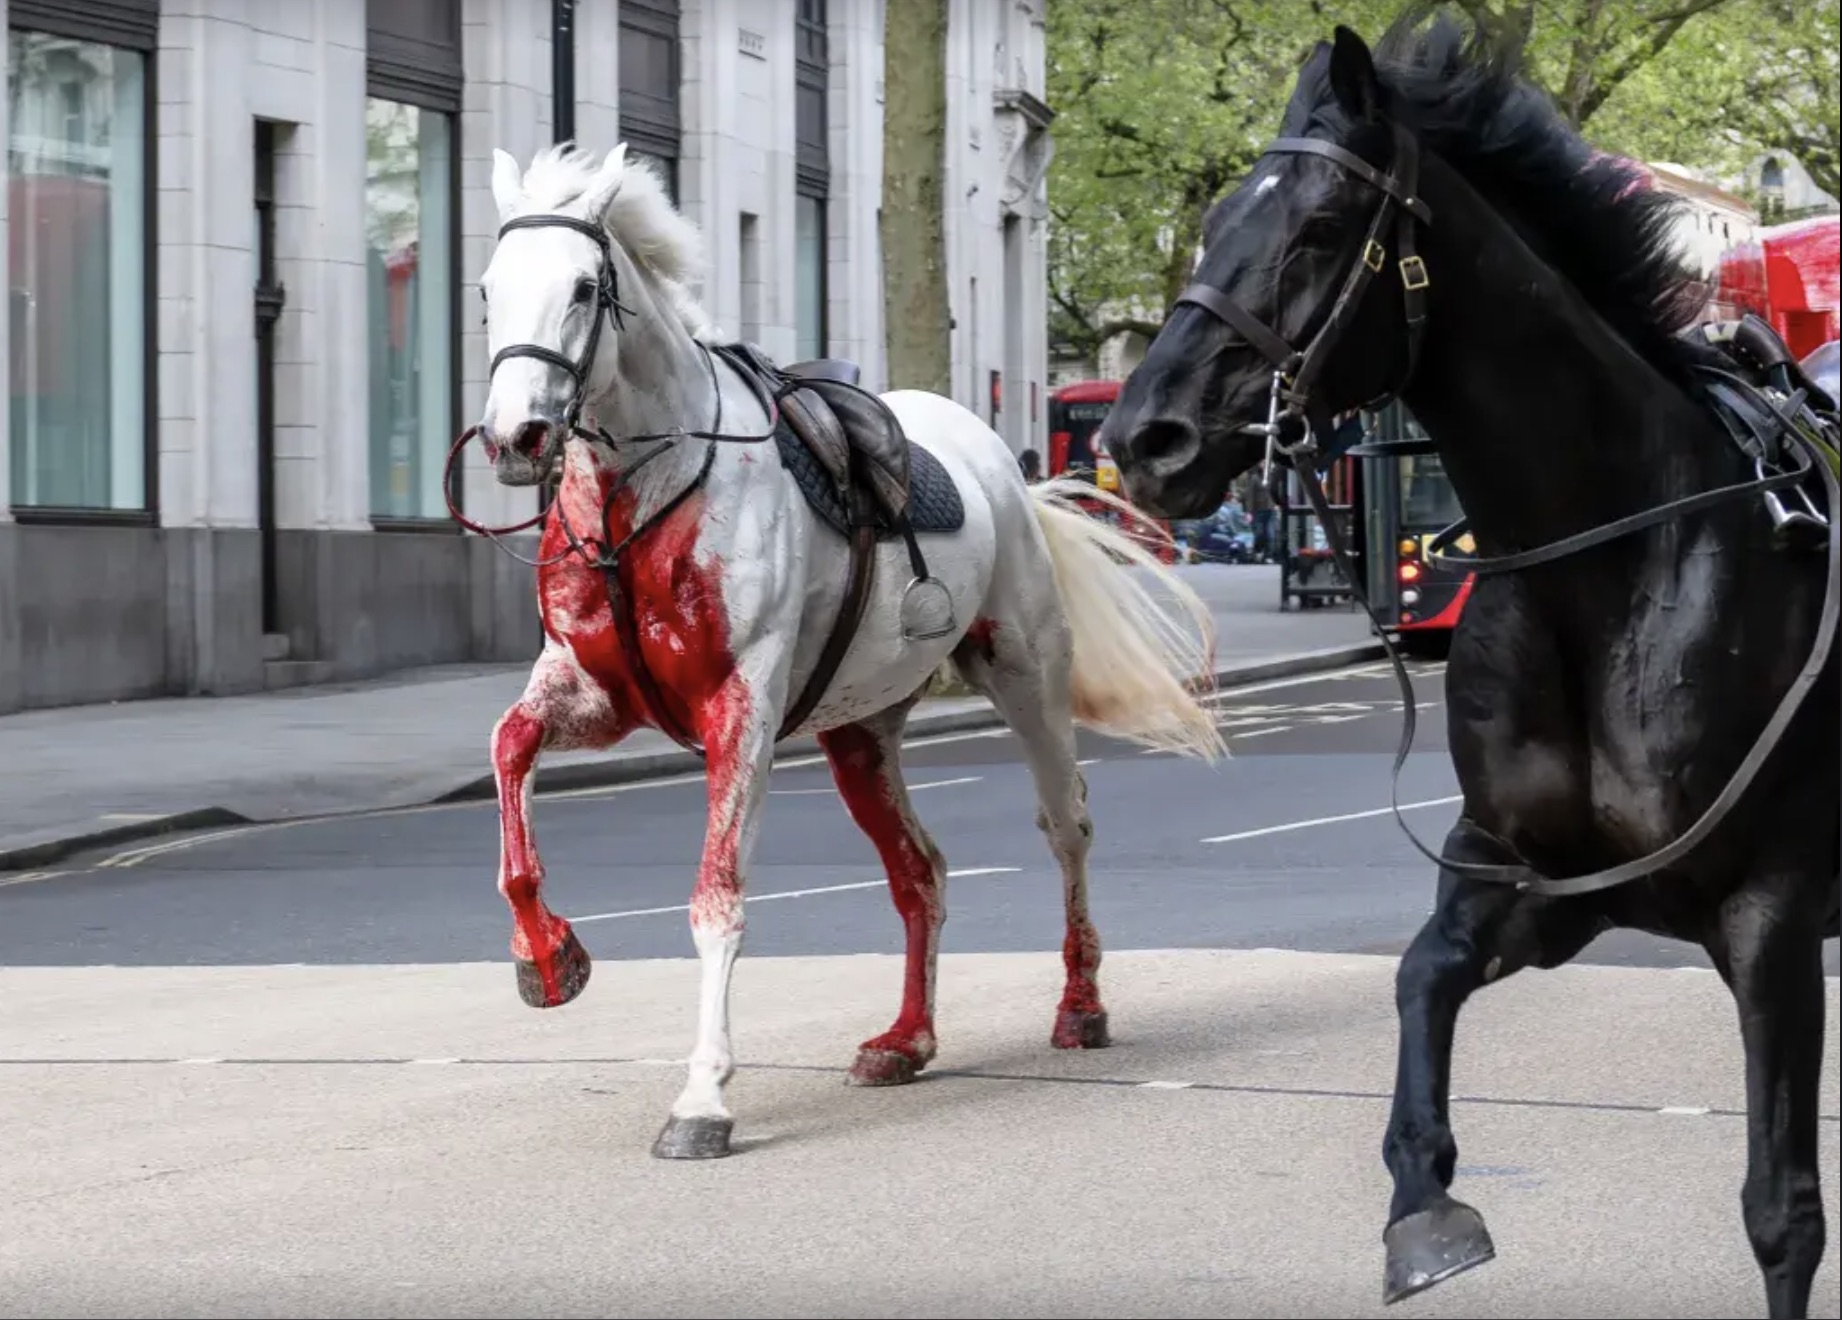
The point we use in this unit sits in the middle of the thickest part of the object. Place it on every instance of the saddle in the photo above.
(851, 460)
(1751, 385)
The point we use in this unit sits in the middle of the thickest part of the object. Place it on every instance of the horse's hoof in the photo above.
(699, 1138)
(881, 1068)
(1430, 1246)
(1077, 1029)
(546, 983)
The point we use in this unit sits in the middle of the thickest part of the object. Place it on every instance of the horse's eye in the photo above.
(585, 291)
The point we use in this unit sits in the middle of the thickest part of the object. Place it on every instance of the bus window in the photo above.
(1428, 502)
(1081, 420)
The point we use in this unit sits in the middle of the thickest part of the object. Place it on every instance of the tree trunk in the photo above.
(916, 305)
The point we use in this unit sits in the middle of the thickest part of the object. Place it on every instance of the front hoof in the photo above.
(549, 982)
(693, 1139)
(881, 1068)
(1078, 1029)
(1430, 1246)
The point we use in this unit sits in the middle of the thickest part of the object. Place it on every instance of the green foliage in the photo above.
(1164, 104)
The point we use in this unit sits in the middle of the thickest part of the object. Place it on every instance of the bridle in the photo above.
(1290, 401)
(604, 552)
(1295, 371)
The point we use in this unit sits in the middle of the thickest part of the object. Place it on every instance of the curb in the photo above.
(616, 770)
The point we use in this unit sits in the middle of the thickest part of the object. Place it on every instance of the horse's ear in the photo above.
(507, 189)
(597, 197)
(1352, 76)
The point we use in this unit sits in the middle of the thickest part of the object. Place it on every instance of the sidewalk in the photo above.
(90, 776)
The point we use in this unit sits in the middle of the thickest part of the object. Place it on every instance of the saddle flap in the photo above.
(842, 370)
(812, 420)
(877, 437)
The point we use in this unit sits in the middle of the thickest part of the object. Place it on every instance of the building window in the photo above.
(412, 228)
(409, 225)
(649, 74)
(812, 175)
(78, 271)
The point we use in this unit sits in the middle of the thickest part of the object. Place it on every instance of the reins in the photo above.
(1290, 403)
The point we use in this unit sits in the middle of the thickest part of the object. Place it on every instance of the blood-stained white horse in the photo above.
(687, 582)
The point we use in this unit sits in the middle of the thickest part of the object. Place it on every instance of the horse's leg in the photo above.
(739, 750)
(1770, 949)
(866, 764)
(1480, 932)
(560, 708)
(1024, 670)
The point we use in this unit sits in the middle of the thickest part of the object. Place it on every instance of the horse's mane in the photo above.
(1588, 214)
(641, 218)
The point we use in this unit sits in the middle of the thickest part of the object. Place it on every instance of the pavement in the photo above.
(282, 1070)
(87, 776)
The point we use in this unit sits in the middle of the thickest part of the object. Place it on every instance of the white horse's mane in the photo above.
(641, 218)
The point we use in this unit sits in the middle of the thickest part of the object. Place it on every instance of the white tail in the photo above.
(1134, 660)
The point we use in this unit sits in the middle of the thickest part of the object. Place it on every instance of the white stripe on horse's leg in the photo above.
(866, 764)
(1025, 673)
(739, 751)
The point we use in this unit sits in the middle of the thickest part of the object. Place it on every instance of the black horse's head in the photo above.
(1281, 251)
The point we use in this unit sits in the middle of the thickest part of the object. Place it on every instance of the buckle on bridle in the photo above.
(1373, 255)
(1413, 274)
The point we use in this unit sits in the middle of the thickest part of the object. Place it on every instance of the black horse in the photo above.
(1642, 698)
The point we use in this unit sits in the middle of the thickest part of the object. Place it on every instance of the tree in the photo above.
(1164, 104)
(913, 227)
(1757, 76)
(1161, 106)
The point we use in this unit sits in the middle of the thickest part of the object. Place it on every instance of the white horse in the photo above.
(604, 370)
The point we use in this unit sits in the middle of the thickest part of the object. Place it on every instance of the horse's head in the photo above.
(584, 286)
(1297, 239)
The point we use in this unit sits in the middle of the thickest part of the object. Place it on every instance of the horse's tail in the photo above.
(1137, 668)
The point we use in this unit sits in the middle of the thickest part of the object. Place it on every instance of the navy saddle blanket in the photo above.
(934, 503)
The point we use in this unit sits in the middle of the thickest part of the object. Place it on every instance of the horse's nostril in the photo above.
(529, 438)
(1167, 440)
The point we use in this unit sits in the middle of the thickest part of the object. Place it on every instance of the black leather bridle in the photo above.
(1295, 371)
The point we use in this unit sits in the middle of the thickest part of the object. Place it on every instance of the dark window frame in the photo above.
(648, 122)
(812, 73)
(432, 78)
(131, 25)
(427, 74)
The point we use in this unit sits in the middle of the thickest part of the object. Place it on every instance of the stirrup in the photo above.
(925, 616)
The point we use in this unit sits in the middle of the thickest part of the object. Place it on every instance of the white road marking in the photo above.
(1239, 734)
(30, 877)
(945, 783)
(1265, 830)
(788, 893)
(912, 788)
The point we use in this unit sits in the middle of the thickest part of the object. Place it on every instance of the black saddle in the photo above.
(1752, 381)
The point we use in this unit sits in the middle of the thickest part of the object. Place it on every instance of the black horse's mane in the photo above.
(1586, 214)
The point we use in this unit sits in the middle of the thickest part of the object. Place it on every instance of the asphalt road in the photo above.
(283, 1071)
(1255, 852)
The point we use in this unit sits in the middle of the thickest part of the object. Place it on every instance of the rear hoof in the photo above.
(1076, 1029)
(1430, 1246)
(881, 1068)
(693, 1139)
(547, 983)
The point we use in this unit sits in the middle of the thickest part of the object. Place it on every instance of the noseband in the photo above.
(1295, 371)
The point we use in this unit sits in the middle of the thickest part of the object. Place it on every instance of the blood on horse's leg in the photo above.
(1024, 670)
(866, 765)
(739, 752)
(552, 964)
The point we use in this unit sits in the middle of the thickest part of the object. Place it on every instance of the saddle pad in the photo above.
(934, 503)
